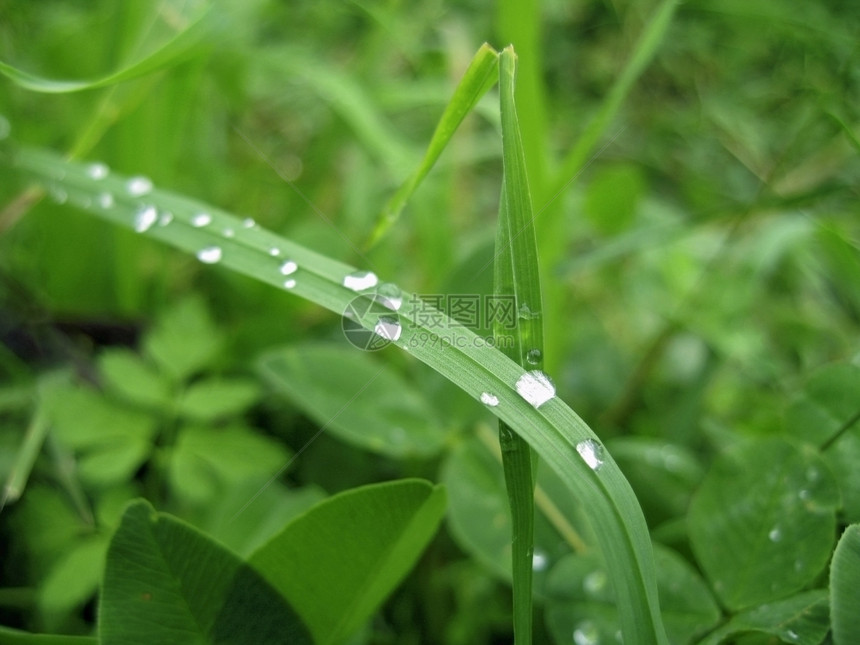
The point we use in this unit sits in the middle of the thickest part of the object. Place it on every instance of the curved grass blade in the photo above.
(176, 50)
(479, 78)
(559, 436)
(516, 278)
(845, 587)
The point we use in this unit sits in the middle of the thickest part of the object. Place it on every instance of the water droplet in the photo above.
(105, 200)
(289, 267)
(489, 399)
(591, 453)
(274, 251)
(289, 284)
(390, 296)
(145, 218)
(165, 219)
(249, 222)
(535, 387)
(791, 635)
(200, 220)
(526, 313)
(229, 232)
(360, 280)
(5, 127)
(210, 255)
(540, 561)
(594, 582)
(775, 534)
(804, 494)
(586, 633)
(138, 186)
(98, 171)
(534, 356)
(388, 328)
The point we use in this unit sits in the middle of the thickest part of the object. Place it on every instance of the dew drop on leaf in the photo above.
(360, 280)
(390, 296)
(540, 561)
(534, 356)
(200, 220)
(594, 582)
(289, 267)
(228, 232)
(591, 453)
(97, 171)
(138, 186)
(274, 251)
(535, 387)
(145, 218)
(165, 219)
(586, 633)
(210, 254)
(388, 328)
(489, 399)
(775, 535)
(289, 284)
(249, 222)
(105, 200)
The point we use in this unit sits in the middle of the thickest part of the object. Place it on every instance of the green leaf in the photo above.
(339, 561)
(206, 462)
(356, 398)
(762, 523)
(581, 599)
(213, 398)
(845, 588)
(801, 619)
(16, 637)
(612, 197)
(165, 582)
(181, 47)
(130, 377)
(478, 79)
(184, 339)
(75, 577)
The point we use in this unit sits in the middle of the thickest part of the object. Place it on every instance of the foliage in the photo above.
(692, 172)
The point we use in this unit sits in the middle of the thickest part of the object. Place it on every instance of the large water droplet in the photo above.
(540, 560)
(535, 387)
(586, 633)
(534, 356)
(210, 255)
(289, 267)
(200, 220)
(591, 453)
(97, 171)
(388, 328)
(390, 296)
(105, 200)
(360, 280)
(145, 218)
(138, 186)
(489, 399)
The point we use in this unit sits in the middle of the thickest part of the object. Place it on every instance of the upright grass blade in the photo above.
(554, 431)
(516, 276)
(478, 79)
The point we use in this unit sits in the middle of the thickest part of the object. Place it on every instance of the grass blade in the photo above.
(516, 275)
(479, 78)
(558, 435)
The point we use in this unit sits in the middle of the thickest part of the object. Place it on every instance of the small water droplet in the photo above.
(249, 222)
(489, 399)
(165, 219)
(526, 313)
(591, 453)
(540, 561)
(289, 267)
(210, 255)
(775, 535)
(390, 296)
(791, 635)
(97, 171)
(105, 200)
(594, 582)
(586, 633)
(138, 186)
(360, 280)
(274, 251)
(145, 218)
(200, 220)
(535, 387)
(289, 284)
(229, 232)
(5, 127)
(534, 356)
(388, 328)
(804, 494)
